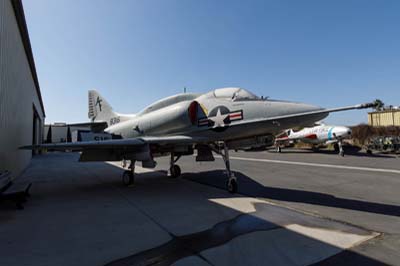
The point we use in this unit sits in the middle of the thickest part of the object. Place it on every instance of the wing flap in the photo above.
(82, 145)
(118, 144)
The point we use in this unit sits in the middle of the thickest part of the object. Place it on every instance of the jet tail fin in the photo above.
(99, 108)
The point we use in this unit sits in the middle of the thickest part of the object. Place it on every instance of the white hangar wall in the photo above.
(21, 106)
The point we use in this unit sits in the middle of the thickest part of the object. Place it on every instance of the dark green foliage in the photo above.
(363, 133)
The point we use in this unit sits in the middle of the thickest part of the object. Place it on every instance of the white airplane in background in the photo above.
(321, 134)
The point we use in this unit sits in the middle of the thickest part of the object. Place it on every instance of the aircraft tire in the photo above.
(175, 171)
(128, 178)
(232, 185)
(336, 147)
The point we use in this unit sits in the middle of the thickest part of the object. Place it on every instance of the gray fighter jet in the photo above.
(220, 120)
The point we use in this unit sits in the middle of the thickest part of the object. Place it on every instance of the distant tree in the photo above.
(379, 105)
(69, 137)
(49, 135)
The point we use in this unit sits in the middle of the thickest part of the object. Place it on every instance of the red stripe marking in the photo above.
(311, 136)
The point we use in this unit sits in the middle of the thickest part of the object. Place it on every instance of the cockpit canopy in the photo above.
(169, 101)
(234, 94)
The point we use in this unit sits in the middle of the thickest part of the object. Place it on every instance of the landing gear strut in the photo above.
(340, 145)
(174, 169)
(128, 177)
(231, 184)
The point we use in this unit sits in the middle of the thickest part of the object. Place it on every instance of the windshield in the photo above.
(234, 94)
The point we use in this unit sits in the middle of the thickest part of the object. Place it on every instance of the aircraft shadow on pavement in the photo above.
(250, 187)
(184, 245)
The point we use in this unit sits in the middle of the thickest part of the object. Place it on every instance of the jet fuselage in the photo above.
(222, 114)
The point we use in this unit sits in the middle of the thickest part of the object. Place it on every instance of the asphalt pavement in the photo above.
(293, 208)
(357, 189)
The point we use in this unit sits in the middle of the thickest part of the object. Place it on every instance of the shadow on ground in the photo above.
(249, 187)
(58, 188)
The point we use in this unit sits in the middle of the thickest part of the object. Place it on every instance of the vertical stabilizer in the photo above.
(99, 108)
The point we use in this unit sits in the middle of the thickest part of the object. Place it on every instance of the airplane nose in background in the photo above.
(344, 132)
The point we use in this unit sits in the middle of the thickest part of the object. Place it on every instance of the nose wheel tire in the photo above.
(279, 149)
(232, 185)
(175, 171)
(128, 178)
(336, 147)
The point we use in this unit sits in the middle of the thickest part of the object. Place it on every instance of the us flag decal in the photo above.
(226, 116)
(236, 115)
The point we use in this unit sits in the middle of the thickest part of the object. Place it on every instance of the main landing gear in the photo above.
(339, 146)
(128, 177)
(174, 169)
(278, 149)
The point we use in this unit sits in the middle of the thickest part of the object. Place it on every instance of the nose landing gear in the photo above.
(128, 177)
(231, 184)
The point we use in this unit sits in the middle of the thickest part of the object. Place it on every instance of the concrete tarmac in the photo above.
(80, 214)
(357, 189)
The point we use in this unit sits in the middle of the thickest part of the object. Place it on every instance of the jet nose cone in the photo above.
(304, 108)
(310, 107)
(344, 132)
(292, 107)
(298, 114)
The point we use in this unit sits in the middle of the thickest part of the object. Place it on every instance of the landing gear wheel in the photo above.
(336, 147)
(175, 171)
(128, 178)
(341, 153)
(232, 185)
(279, 149)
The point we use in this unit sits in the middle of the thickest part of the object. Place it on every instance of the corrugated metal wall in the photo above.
(384, 118)
(18, 96)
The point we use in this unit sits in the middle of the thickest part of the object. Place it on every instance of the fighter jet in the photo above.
(220, 120)
(317, 135)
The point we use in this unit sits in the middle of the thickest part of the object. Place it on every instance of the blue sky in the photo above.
(328, 53)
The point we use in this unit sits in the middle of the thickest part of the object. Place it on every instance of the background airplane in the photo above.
(220, 120)
(321, 134)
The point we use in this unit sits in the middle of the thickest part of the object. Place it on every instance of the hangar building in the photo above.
(386, 117)
(21, 106)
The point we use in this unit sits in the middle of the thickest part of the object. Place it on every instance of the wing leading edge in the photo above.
(117, 143)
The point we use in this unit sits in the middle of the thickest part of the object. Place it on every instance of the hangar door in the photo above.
(36, 129)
